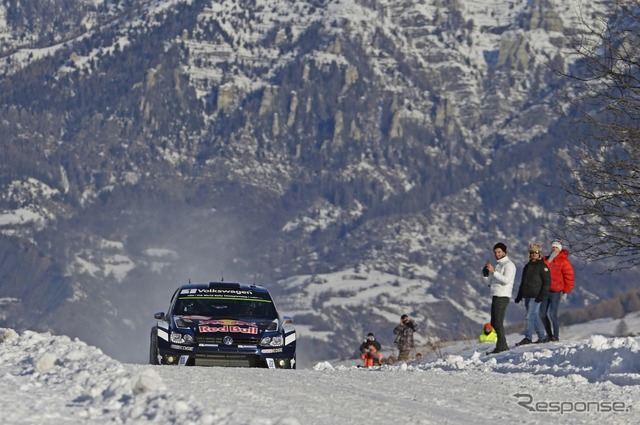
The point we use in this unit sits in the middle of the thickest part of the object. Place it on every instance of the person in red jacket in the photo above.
(562, 281)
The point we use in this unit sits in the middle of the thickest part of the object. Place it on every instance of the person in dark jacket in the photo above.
(404, 337)
(534, 288)
(370, 340)
(562, 282)
(370, 351)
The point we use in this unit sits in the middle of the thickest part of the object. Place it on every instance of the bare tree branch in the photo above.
(601, 217)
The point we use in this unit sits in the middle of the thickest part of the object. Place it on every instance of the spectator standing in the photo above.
(534, 288)
(562, 282)
(404, 337)
(500, 279)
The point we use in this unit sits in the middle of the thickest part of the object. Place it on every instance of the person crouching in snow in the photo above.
(488, 334)
(370, 351)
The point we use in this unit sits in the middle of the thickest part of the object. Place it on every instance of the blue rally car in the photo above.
(223, 324)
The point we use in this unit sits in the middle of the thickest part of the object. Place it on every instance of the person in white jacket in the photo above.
(500, 279)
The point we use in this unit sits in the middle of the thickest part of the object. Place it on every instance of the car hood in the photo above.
(202, 324)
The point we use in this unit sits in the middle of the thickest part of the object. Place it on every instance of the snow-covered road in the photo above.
(401, 395)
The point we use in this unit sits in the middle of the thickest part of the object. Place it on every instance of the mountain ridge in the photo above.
(278, 142)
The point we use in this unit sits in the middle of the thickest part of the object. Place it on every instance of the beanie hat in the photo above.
(501, 246)
(488, 326)
(535, 247)
(558, 244)
(369, 334)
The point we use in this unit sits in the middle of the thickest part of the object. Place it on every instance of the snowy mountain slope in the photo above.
(54, 379)
(361, 157)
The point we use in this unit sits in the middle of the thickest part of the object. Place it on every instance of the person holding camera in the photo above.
(404, 337)
(500, 279)
(534, 288)
(370, 351)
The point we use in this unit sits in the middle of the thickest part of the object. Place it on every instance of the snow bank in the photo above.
(599, 359)
(99, 388)
(49, 380)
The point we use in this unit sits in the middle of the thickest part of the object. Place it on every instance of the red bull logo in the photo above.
(251, 330)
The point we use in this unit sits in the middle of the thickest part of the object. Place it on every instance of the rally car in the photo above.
(223, 324)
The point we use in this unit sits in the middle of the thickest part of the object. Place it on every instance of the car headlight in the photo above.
(179, 338)
(272, 341)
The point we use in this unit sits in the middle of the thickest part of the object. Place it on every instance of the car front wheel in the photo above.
(153, 348)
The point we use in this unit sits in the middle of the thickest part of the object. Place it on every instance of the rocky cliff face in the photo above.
(359, 157)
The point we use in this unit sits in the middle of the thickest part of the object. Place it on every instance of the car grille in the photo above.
(237, 340)
(227, 360)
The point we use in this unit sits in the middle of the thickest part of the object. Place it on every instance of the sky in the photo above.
(588, 377)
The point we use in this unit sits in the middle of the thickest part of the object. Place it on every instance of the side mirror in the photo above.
(286, 320)
(159, 316)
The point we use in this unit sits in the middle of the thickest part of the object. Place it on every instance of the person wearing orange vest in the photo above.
(370, 351)
(562, 282)
(488, 334)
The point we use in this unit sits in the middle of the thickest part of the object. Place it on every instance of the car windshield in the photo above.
(225, 308)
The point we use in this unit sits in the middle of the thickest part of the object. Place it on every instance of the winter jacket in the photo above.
(372, 356)
(404, 335)
(535, 282)
(488, 337)
(365, 345)
(502, 279)
(562, 276)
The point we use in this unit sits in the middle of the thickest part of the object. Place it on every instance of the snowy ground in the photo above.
(590, 378)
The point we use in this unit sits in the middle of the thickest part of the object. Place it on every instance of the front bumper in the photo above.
(198, 355)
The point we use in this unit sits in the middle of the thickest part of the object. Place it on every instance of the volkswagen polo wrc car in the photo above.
(223, 324)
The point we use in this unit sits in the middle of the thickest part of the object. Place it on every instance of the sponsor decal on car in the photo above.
(190, 317)
(214, 291)
(288, 339)
(228, 329)
(227, 322)
(162, 334)
(181, 347)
